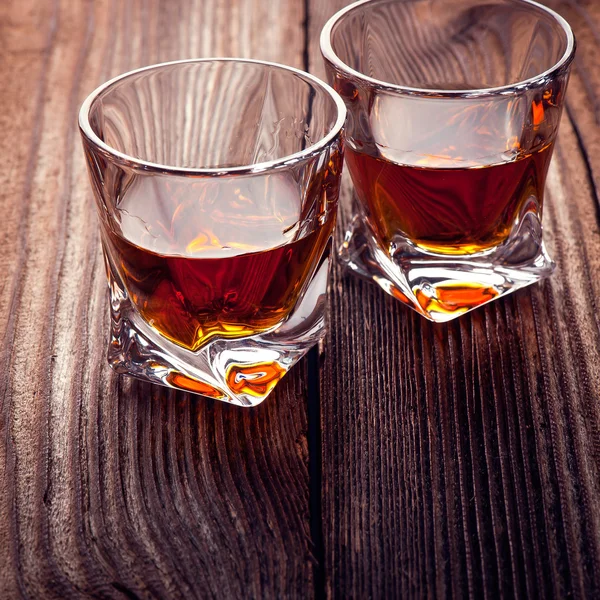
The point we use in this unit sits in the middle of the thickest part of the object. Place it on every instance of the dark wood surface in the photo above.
(404, 460)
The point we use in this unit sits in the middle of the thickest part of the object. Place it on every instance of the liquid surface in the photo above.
(447, 210)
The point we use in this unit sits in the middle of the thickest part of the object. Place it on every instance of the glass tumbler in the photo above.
(453, 110)
(216, 184)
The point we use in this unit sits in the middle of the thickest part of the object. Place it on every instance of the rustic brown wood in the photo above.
(464, 459)
(109, 487)
(450, 460)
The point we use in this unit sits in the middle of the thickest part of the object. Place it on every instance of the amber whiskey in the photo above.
(227, 262)
(191, 300)
(447, 210)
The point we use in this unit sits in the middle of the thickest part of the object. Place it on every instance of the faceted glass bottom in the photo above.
(241, 371)
(443, 287)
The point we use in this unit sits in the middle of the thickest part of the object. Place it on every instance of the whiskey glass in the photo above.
(216, 184)
(453, 111)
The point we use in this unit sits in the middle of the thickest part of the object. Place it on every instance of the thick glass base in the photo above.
(443, 287)
(240, 371)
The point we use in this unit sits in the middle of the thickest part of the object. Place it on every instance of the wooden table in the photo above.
(404, 460)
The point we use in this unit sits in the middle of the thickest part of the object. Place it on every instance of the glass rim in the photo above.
(509, 89)
(284, 161)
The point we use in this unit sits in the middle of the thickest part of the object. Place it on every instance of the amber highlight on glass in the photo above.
(453, 111)
(216, 183)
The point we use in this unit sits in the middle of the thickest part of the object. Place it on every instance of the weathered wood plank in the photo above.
(109, 487)
(456, 460)
(463, 459)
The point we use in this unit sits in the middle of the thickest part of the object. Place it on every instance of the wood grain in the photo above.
(111, 488)
(443, 461)
(464, 459)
